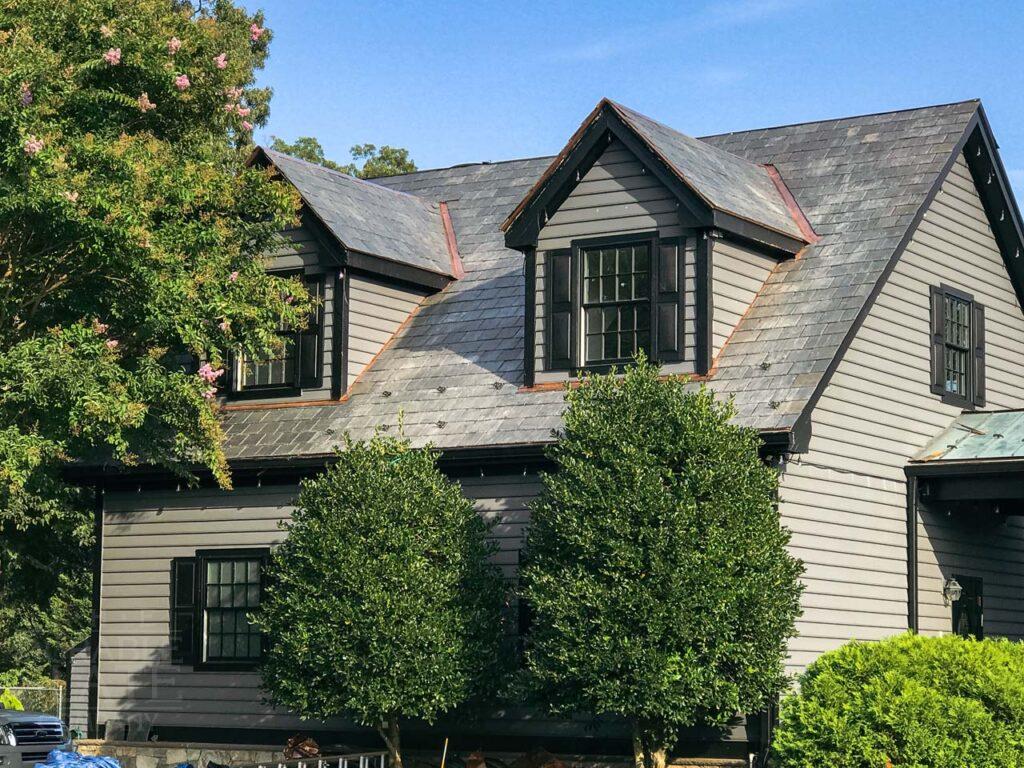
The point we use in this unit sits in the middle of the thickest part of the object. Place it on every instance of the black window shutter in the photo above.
(183, 610)
(308, 358)
(558, 310)
(669, 310)
(938, 340)
(979, 355)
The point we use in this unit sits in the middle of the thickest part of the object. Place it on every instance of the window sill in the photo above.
(959, 401)
(268, 392)
(226, 666)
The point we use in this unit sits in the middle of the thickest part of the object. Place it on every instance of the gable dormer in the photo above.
(620, 236)
(371, 255)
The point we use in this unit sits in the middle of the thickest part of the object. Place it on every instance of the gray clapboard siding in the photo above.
(616, 196)
(143, 531)
(78, 689)
(845, 500)
(737, 275)
(376, 310)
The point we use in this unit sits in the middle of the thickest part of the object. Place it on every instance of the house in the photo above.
(854, 285)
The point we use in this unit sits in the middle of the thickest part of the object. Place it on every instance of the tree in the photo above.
(930, 702)
(386, 161)
(132, 233)
(382, 602)
(656, 567)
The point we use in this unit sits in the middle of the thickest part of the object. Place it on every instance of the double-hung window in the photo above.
(212, 596)
(606, 299)
(299, 363)
(958, 347)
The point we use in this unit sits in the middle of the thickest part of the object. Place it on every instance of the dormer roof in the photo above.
(372, 220)
(715, 188)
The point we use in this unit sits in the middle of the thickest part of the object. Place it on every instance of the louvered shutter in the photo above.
(669, 311)
(938, 340)
(558, 310)
(183, 610)
(979, 355)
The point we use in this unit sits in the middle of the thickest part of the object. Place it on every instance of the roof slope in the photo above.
(993, 435)
(860, 181)
(725, 181)
(369, 218)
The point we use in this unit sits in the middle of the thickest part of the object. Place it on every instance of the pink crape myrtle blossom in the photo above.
(113, 56)
(221, 61)
(229, 108)
(246, 125)
(99, 327)
(144, 103)
(233, 276)
(209, 374)
(26, 95)
(234, 93)
(210, 393)
(33, 146)
(181, 82)
(72, 197)
(173, 45)
(112, 344)
(256, 32)
(225, 326)
(242, 111)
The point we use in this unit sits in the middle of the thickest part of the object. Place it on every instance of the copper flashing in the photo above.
(792, 205)
(453, 246)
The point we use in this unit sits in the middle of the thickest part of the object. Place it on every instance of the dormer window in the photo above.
(616, 302)
(300, 362)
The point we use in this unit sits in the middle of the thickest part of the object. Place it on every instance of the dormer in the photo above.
(371, 255)
(637, 236)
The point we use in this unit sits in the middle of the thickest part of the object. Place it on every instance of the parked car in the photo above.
(26, 738)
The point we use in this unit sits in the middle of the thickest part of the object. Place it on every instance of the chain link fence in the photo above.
(48, 700)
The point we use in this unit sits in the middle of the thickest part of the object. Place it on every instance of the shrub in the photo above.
(910, 701)
(382, 603)
(656, 568)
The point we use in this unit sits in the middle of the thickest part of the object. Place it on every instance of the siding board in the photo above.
(376, 310)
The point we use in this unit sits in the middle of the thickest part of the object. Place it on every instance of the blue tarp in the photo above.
(74, 760)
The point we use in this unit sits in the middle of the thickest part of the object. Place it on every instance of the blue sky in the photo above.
(469, 81)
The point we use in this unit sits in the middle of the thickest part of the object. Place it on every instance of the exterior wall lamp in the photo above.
(951, 591)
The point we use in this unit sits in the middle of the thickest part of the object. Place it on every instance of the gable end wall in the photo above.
(845, 499)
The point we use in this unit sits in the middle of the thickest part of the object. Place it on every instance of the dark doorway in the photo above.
(968, 611)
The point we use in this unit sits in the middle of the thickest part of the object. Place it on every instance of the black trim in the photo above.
(912, 556)
(94, 638)
(803, 422)
(201, 558)
(339, 342)
(530, 317)
(561, 324)
(975, 371)
(704, 301)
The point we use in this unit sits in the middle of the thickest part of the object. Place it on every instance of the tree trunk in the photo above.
(657, 757)
(638, 747)
(393, 739)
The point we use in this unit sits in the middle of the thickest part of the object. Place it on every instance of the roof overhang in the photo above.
(602, 125)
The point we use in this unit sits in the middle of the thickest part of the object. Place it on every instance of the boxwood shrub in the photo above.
(908, 701)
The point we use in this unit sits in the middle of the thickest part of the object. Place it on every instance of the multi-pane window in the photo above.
(958, 347)
(298, 363)
(616, 302)
(231, 591)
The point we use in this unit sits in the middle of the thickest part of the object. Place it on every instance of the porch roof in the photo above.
(990, 435)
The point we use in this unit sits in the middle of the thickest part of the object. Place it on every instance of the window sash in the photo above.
(957, 340)
(616, 305)
(231, 588)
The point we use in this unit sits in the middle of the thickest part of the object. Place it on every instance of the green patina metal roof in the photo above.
(975, 436)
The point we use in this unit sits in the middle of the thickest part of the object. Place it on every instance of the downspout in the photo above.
(912, 508)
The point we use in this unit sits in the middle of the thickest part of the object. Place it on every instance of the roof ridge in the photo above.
(840, 119)
(479, 163)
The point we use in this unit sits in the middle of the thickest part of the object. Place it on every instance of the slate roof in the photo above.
(369, 218)
(725, 181)
(860, 181)
(992, 435)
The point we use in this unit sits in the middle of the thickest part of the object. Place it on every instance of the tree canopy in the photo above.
(382, 601)
(375, 162)
(656, 566)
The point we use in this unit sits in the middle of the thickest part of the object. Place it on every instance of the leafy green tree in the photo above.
(382, 602)
(657, 570)
(927, 702)
(132, 232)
(307, 148)
(385, 161)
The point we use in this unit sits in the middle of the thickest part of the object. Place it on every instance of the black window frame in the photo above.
(191, 649)
(641, 306)
(974, 375)
(564, 305)
(299, 382)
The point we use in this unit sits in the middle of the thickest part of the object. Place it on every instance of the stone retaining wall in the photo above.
(158, 754)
